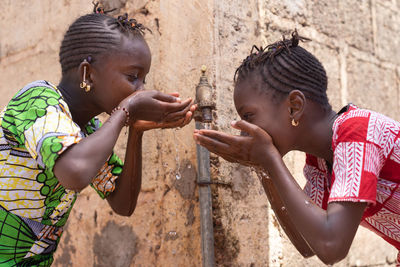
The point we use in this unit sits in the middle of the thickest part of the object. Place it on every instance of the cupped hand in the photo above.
(142, 125)
(253, 149)
(156, 106)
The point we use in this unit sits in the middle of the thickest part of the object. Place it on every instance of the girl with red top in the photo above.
(352, 157)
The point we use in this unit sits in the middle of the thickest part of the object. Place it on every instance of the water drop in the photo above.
(172, 233)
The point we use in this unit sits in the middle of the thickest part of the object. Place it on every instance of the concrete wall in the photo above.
(355, 40)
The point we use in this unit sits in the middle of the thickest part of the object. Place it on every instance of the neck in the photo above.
(78, 101)
(317, 140)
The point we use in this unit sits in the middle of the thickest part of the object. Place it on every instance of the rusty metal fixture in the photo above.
(203, 115)
(204, 99)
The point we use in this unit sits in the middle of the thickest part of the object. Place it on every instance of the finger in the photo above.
(167, 98)
(179, 123)
(176, 94)
(177, 115)
(193, 108)
(220, 136)
(245, 126)
(188, 118)
(212, 145)
(172, 124)
(228, 158)
(175, 111)
(176, 106)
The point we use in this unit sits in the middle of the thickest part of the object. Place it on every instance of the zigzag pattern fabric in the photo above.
(35, 128)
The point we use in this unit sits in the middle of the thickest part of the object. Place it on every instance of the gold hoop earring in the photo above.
(83, 85)
(295, 123)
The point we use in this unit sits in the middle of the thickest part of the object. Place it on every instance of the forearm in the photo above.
(79, 164)
(284, 219)
(124, 198)
(328, 233)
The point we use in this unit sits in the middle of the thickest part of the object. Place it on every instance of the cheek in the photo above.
(272, 126)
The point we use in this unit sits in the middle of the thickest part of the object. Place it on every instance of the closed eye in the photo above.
(247, 116)
(132, 78)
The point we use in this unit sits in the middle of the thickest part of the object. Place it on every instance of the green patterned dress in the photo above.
(35, 128)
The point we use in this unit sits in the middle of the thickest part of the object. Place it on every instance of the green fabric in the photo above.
(36, 127)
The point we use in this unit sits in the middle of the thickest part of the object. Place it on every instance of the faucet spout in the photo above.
(204, 99)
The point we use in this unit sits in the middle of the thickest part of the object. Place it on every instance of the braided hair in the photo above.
(284, 66)
(95, 33)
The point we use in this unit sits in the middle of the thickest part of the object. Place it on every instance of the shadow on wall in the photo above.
(116, 245)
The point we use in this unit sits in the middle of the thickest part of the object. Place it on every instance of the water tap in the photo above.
(204, 99)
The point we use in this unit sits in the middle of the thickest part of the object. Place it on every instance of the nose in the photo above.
(141, 87)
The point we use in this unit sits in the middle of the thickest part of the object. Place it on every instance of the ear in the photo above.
(297, 102)
(85, 70)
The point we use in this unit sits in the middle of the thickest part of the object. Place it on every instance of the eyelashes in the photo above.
(135, 78)
(132, 78)
(247, 116)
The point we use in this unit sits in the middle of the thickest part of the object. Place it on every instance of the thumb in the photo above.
(244, 126)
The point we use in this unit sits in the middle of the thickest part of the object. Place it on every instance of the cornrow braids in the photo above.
(94, 34)
(284, 66)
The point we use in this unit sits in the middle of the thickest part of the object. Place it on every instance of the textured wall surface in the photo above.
(357, 42)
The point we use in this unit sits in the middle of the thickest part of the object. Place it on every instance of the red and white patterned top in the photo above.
(366, 168)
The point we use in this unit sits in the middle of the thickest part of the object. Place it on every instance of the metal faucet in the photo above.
(204, 99)
(203, 114)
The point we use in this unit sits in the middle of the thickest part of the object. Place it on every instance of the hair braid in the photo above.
(93, 34)
(284, 66)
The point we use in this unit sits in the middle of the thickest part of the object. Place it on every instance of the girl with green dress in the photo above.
(52, 145)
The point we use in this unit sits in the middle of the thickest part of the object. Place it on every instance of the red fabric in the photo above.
(366, 168)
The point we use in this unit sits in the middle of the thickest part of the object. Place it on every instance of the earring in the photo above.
(83, 84)
(295, 123)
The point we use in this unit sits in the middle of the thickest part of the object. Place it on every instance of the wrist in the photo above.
(130, 106)
(122, 113)
(270, 158)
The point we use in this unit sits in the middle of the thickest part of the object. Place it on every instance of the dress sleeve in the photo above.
(38, 119)
(357, 161)
(105, 180)
(315, 172)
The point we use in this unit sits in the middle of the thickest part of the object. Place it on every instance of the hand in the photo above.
(156, 106)
(251, 150)
(142, 125)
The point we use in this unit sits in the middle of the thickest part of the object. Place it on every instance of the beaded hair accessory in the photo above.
(123, 21)
(131, 24)
(99, 8)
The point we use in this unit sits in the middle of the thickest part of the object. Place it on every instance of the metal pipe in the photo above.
(203, 114)
(206, 221)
